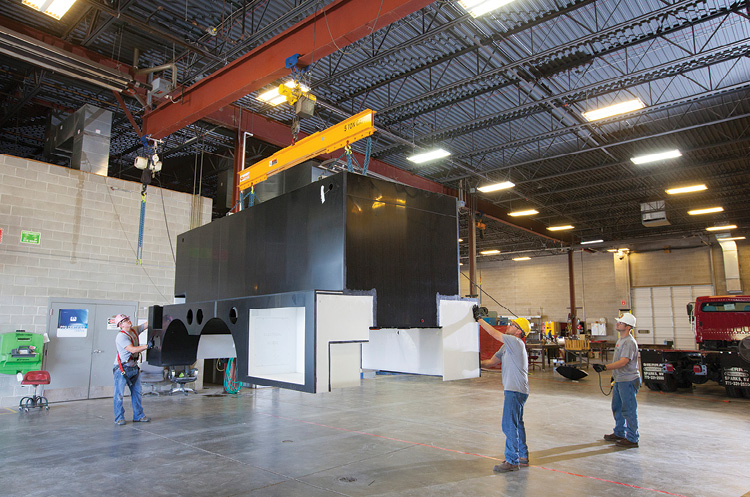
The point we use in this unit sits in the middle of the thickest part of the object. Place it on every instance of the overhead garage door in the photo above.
(662, 311)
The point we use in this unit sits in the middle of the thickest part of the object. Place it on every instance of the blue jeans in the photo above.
(515, 431)
(135, 395)
(625, 409)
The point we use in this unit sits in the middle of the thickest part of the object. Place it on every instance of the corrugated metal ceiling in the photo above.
(504, 93)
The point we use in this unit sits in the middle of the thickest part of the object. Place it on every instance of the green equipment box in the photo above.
(20, 352)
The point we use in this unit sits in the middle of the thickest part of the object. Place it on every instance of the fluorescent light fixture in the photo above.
(428, 156)
(478, 7)
(497, 186)
(730, 238)
(645, 159)
(561, 228)
(529, 212)
(460, 240)
(612, 250)
(687, 189)
(722, 228)
(522, 258)
(614, 110)
(489, 252)
(273, 97)
(53, 8)
(709, 210)
(591, 241)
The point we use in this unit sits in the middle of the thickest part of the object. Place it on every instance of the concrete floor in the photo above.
(395, 435)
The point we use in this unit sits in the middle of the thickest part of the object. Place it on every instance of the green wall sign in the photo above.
(32, 237)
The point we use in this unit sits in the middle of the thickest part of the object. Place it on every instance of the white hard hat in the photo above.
(627, 319)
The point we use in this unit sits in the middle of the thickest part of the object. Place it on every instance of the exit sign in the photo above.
(31, 237)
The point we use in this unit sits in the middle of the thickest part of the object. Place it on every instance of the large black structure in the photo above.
(345, 233)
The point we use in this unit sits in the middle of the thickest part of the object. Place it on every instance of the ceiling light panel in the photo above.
(687, 189)
(529, 212)
(709, 210)
(495, 187)
(645, 159)
(614, 110)
(428, 156)
(561, 228)
(479, 7)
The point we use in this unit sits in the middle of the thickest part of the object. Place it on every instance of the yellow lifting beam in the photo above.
(322, 142)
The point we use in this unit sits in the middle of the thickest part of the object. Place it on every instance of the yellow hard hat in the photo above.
(522, 323)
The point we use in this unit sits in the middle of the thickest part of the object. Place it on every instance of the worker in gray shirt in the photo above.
(627, 382)
(515, 361)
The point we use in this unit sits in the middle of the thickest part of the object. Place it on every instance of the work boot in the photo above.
(120, 422)
(613, 438)
(523, 462)
(144, 419)
(505, 467)
(624, 442)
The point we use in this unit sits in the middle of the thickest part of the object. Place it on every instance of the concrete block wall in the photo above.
(676, 267)
(540, 285)
(89, 236)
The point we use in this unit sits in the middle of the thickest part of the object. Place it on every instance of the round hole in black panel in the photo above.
(330, 186)
(199, 316)
(190, 316)
(233, 315)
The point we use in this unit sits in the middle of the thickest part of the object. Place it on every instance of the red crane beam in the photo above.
(337, 25)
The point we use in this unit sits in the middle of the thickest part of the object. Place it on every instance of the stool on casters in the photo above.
(35, 378)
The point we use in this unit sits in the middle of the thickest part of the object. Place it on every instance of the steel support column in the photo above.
(572, 286)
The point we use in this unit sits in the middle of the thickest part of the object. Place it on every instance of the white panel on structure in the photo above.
(346, 360)
(415, 350)
(339, 319)
(460, 339)
(215, 347)
(451, 351)
(277, 344)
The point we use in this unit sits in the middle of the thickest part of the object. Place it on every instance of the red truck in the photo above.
(722, 332)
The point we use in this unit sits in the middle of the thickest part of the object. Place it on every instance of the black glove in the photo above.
(477, 311)
(600, 367)
(150, 344)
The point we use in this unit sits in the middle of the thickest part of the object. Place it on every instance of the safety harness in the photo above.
(134, 342)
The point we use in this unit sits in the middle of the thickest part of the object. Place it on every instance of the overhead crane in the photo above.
(337, 136)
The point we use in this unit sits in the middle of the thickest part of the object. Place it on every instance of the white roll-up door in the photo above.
(663, 311)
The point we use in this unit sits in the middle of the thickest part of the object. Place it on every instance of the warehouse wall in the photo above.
(601, 279)
(540, 286)
(89, 234)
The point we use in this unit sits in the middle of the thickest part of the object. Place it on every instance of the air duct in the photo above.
(84, 137)
(731, 264)
(41, 54)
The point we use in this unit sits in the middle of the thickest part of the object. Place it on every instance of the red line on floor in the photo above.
(466, 453)
(611, 481)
